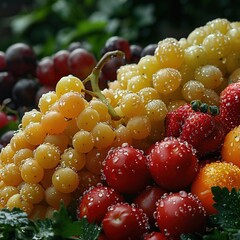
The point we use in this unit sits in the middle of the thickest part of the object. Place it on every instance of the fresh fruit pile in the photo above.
(140, 157)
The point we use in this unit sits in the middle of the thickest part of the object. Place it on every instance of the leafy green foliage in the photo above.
(16, 225)
(225, 225)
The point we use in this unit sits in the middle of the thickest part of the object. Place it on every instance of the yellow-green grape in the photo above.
(73, 159)
(31, 116)
(235, 24)
(16, 201)
(193, 90)
(103, 135)
(94, 160)
(169, 53)
(148, 65)
(187, 73)
(219, 63)
(174, 104)
(210, 76)
(18, 141)
(32, 192)
(216, 45)
(6, 192)
(21, 155)
(235, 76)
(147, 94)
(87, 119)
(53, 122)
(47, 155)
(38, 212)
(118, 95)
(67, 84)
(195, 56)
(6, 154)
(123, 136)
(124, 73)
(35, 133)
(184, 43)
(131, 105)
(83, 141)
(157, 131)
(139, 127)
(197, 36)
(222, 86)
(167, 80)
(101, 108)
(176, 95)
(109, 94)
(71, 128)
(47, 178)
(46, 101)
(113, 85)
(65, 180)
(138, 82)
(221, 25)
(59, 140)
(210, 97)
(71, 104)
(87, 179)
(31, 171)
(232, 61)
(10, 174)
(234, 35)
(156, 110)
(55, 198)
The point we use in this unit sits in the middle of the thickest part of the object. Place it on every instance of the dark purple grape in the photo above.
(74, 45)
(6, 84)
(46, 72)
(24, 92)
(149, 49)
(60, 60)
(6, 137)
(136, 51)
(3, 64)
(21, 60)
(117, 43)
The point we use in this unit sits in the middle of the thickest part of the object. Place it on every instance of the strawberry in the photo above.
(175, 119)
(230, 106)
(202, 130)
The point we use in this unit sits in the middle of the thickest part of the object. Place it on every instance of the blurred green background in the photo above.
(51, 25)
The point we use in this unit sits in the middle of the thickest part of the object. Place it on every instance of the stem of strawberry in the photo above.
(94, 77)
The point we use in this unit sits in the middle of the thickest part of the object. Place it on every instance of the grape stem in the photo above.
(94, 77)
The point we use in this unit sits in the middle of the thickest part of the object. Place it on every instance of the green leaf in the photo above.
(13, 218)
(217, 234)
(227, 204)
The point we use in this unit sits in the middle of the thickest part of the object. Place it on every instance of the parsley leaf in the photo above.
(227, 204)
(15, 225)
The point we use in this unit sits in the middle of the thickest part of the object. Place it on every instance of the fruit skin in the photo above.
(217, 173)
(231, 147)
(173, 164)
(146, 200)
(124, 221)
(179, 213)
(203, 131)
(230, 106)
(155, 236)
(95, 202)
(21, 60)
(125, 170)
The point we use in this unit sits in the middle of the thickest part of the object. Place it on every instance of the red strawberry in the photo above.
(175, 119)
(230, 106)
(202, 130)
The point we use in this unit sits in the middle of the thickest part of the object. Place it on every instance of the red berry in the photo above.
(179, 213)
(124, 221)
(173, 164)
(125, 169)
(95, 202)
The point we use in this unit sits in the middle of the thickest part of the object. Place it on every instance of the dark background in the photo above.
(51, 25)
